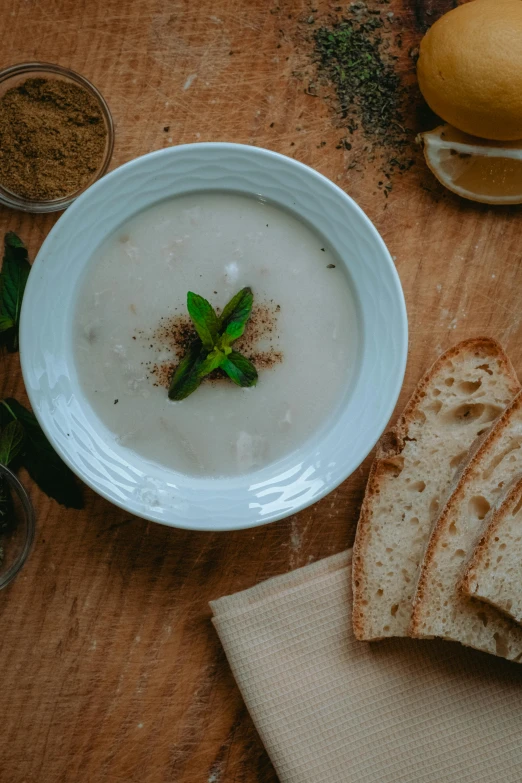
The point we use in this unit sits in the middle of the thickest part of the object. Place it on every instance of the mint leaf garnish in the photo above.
(212, 350)
(235, 315)
(40, 459)
(186, 378)
(240, 369)
(11, 441)
(13, 278)
(22, 441)
(214, 360)
(204, 319)
(6, 322)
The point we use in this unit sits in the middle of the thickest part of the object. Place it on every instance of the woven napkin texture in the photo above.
(331, 709)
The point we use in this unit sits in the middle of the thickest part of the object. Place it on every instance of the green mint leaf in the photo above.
(40, 459)
(6, 322)
(215, 359)
(212, 349)
(14, 241)
(186, 378)
(204, 319)
(235, 315)
(15, 271)
(232, 307)
(11, 441)
(240, 369)
(6, 414)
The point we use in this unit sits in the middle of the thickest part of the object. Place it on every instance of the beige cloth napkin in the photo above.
(329, 708)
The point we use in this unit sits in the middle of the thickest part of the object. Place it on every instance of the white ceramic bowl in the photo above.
(151, 491)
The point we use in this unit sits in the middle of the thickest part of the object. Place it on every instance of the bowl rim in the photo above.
(10, 199)
(30, 524)
(393, 389)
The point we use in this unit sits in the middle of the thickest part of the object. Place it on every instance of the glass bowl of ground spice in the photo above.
(56, 136)
(17, 526)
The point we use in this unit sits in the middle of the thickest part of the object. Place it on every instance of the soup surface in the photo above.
(131, 320)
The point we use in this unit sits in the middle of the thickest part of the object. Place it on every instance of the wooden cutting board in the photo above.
(110, 668)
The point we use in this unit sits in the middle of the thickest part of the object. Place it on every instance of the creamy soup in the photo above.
(132, 304)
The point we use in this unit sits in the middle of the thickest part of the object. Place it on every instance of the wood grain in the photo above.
(110, 668)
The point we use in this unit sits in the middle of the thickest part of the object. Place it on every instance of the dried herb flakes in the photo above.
(354, 53)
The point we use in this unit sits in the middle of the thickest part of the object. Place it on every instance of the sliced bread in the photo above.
(494, 573)
(440, 608)
(457, 400)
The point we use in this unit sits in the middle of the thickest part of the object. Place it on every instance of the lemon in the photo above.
(477, 169)
(470, 68)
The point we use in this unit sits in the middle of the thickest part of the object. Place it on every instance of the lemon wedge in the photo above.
(474, 168)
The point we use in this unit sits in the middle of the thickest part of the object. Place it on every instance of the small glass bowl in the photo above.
(14, 75)
(16, 544)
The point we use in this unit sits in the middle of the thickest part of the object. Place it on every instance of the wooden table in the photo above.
(110, 668)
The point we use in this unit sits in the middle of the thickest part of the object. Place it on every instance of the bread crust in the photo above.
(389, 447)
(488, 443)
(495, 521)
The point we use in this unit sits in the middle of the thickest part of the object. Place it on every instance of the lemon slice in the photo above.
(476, 169)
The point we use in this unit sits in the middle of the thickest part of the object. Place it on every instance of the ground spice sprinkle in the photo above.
(176, 333)
(52, 138)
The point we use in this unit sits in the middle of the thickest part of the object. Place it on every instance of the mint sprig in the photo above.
(204, 318)
(186, 377)
(240, 370)
(23, 442)
(11, 441)
(13, 278)
(235, 315)
(212, 349)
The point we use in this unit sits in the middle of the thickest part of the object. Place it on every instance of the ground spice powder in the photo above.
(177, 333)
(52, 138)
